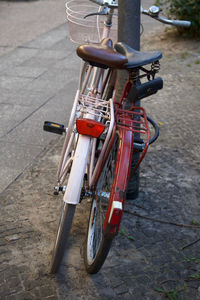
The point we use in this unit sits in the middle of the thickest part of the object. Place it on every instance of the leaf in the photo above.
(159, 290)
(131, 238)
(195, 276)
(122, 232)
(195, 222)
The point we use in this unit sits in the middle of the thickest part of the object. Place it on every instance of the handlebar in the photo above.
(178, 23)
(152, 12)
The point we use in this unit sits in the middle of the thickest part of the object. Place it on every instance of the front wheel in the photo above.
(74, 179)
(65, 224)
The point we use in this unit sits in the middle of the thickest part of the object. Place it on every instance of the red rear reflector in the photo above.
(116, 217)
(115, 213)
(89, 127)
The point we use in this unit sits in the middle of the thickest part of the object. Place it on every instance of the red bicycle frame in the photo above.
(128, 123)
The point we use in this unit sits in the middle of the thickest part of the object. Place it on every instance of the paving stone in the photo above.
(25, 72)
(47, 291)
(24, 296)
(49, 40)
(11, 297)
(15, 159)
(16, 57)
(24, 98)
(64, 44)
(17, 83)
(11, 115)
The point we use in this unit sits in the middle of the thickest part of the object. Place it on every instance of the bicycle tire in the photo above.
(100, 257)
(95, 251)
(71, 199)
(64, 227)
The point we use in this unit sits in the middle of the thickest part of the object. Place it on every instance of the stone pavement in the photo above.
(157, 252)
(24, 21)
(34, 82)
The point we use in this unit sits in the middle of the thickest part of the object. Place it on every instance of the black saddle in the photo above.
(136, 58)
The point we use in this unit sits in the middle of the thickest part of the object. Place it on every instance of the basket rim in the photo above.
(77, 16)
(71, 4)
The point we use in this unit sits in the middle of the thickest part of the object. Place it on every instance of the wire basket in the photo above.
(87, 30)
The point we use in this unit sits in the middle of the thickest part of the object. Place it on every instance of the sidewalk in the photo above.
(37, 80)
(164, 220)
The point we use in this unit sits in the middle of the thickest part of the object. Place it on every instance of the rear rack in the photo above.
(93, 105)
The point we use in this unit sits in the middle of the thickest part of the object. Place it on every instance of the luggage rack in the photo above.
(95, 106)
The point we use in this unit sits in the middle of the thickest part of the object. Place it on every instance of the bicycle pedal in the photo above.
(54, 127)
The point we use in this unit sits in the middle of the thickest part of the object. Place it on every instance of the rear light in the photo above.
(89, 127)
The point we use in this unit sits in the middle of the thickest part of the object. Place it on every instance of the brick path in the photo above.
(162, 254)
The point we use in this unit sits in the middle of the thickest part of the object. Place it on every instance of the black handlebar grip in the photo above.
(149, 88)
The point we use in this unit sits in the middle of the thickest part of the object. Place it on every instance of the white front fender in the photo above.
(75, 181)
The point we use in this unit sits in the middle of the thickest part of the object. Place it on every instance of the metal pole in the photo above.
(129, 23)
(129, 33)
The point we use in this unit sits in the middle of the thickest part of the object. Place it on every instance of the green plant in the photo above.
(123, 232)
(192, 259)
(194, 221)
(171, 294)
(184, 10)
(195, 276)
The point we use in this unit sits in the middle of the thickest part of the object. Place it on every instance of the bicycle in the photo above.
(102, 132)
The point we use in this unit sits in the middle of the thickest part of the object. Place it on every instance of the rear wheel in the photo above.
(97, 245)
